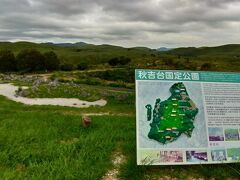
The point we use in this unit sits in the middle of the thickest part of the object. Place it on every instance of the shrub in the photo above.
(30, 60)
(124, 75)
(66, 67)
(82, 66)
(51, 61)
(7, 61)
(119, 61)
(168, 61)
(206, 66)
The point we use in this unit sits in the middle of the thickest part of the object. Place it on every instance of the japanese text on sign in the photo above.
(167, 75)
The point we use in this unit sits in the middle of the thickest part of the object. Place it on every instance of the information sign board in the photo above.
(186, 117)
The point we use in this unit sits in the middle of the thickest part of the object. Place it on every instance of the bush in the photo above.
(168, 61)
(119, 61)
(7, 61)
(30, 60)
(67, 67)
(51, 61)
(82, 66)
(206, 66)
(89, 81)
(124, 75)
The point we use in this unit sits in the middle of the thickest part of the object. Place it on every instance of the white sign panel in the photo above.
(186, 117)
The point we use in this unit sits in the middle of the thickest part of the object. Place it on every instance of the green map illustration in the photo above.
(172, 117)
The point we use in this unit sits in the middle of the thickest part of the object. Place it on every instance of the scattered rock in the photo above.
(35, 89)
(84, 94)
(25, 93)
(21, 78)
(54, 83)
(20, 167)
(37, 82)
(22, 92)
(86, 121)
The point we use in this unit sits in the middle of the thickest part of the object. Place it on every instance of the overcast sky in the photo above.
(151, 23)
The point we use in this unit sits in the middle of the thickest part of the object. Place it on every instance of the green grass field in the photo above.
(48, 142)
(44, 142)
(38, 142)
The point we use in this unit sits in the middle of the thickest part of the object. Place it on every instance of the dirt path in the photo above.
(8, 90)
(98, 70)
(108, 114)
(117, 160)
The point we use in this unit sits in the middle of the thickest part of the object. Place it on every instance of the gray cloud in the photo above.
(150, 23)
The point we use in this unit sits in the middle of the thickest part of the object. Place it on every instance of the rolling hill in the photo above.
(220, 58)
(229, 50)
(82, 52)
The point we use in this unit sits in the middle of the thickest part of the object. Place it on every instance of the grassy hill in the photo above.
(230, 50)
(94, 54)
(220, 58)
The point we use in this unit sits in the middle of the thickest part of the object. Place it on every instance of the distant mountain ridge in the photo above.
(67, 44)
(162, 49)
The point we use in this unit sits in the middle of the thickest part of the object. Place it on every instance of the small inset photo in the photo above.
(196, 156)
(218, 155)
(231, 134)
(233, 154)
(215, 134)
(171, 156)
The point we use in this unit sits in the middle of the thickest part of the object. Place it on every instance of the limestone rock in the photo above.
(86, 121)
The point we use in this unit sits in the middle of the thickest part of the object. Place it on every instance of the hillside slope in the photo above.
(94, 54)
(228, 50)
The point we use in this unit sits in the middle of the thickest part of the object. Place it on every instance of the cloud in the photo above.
(150, 23)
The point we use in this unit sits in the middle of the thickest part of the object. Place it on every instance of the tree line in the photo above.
(31, 60)
(28, 60)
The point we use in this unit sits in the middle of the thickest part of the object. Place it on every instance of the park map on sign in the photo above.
(172, 117)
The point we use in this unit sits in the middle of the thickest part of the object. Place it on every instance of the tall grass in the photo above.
(38, 144)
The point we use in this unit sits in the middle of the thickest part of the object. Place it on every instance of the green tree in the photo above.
(168, 61)
(82, 66)
(119, 61)
(51, 61)
(7, 61)
(67, 67)
(30, 60)
(206, 66)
